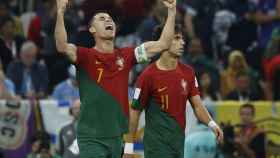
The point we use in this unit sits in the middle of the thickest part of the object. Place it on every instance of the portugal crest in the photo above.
(184, 84)
(120, 62)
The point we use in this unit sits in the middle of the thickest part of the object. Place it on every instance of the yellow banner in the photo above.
(267, 116)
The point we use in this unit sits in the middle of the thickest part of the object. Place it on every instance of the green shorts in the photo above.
(157, 147)
(101, 147)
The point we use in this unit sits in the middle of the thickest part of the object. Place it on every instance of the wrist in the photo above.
(212, 124)
(128, 148)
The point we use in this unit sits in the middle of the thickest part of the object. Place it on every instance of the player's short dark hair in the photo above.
(97, 12)
(158, 30)
(5, 20)
(250, 106)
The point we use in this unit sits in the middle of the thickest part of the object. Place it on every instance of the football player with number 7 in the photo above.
(102, 72)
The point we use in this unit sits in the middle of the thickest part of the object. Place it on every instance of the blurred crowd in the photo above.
(233, 45)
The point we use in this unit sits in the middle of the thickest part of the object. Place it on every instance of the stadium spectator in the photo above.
(7, 87)
(10, 43)
(249, 140)
(67, 90)
(236, 64)
(35, 147)
(245, 27)
(155, 18)
(198, 60)
(206, 87)
(271, 62)
(5, 11)
(199, 15)
(29, 76)
(267, 16)
(68, 135)
(243, 91)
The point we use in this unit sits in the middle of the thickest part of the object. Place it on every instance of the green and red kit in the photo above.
(163, 96)
(103, 86)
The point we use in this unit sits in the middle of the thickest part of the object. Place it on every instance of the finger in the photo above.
(220, 137)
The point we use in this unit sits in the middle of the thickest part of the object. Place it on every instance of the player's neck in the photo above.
(167, 63)
(104, 46)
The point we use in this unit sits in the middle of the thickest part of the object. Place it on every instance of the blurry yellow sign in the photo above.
(267, 116)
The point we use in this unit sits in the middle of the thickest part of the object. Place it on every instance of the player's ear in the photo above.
(92, 30)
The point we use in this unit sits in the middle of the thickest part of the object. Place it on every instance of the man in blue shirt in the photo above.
(68, 89)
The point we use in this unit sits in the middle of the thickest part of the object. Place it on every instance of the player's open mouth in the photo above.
(109, 27)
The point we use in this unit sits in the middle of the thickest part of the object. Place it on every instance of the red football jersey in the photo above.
(170, 89)
(109, 70)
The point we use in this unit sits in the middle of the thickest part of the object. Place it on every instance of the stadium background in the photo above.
(218, 33)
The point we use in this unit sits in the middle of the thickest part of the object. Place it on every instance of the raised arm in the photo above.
(151, 48)
(62, 44)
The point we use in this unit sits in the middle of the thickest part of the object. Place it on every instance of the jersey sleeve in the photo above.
(82, 55)
(129, 56)
(141, 92)
(194, 87)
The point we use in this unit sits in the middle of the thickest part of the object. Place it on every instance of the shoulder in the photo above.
(125, 51)
(186, 68)
(61, 85)
(15, 64)
(84, 49)
(149, 70)
(66, 127)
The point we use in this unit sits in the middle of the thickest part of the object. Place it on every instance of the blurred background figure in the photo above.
(41, 146)
(271, 64)
(7, 87)
(249, 139)
(68, 134)
(10, 42)
(35, 147)
(243, 91)
(236, 64)
(196, 57)
(29, 76)
(67, 90)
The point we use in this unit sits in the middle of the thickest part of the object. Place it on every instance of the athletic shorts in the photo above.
(157, 147)
(101, 147)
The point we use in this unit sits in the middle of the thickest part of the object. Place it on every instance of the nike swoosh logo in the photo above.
(97, 62)
(162, 89)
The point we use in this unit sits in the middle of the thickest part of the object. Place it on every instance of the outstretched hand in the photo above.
(170, 4)
(219, 134)
(61, 5)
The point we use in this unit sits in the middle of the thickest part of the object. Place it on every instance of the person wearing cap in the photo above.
(67, 90)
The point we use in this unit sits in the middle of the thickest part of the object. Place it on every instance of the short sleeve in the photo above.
(141, 92)
(82, 55)
(194, 87)
(129, 56)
